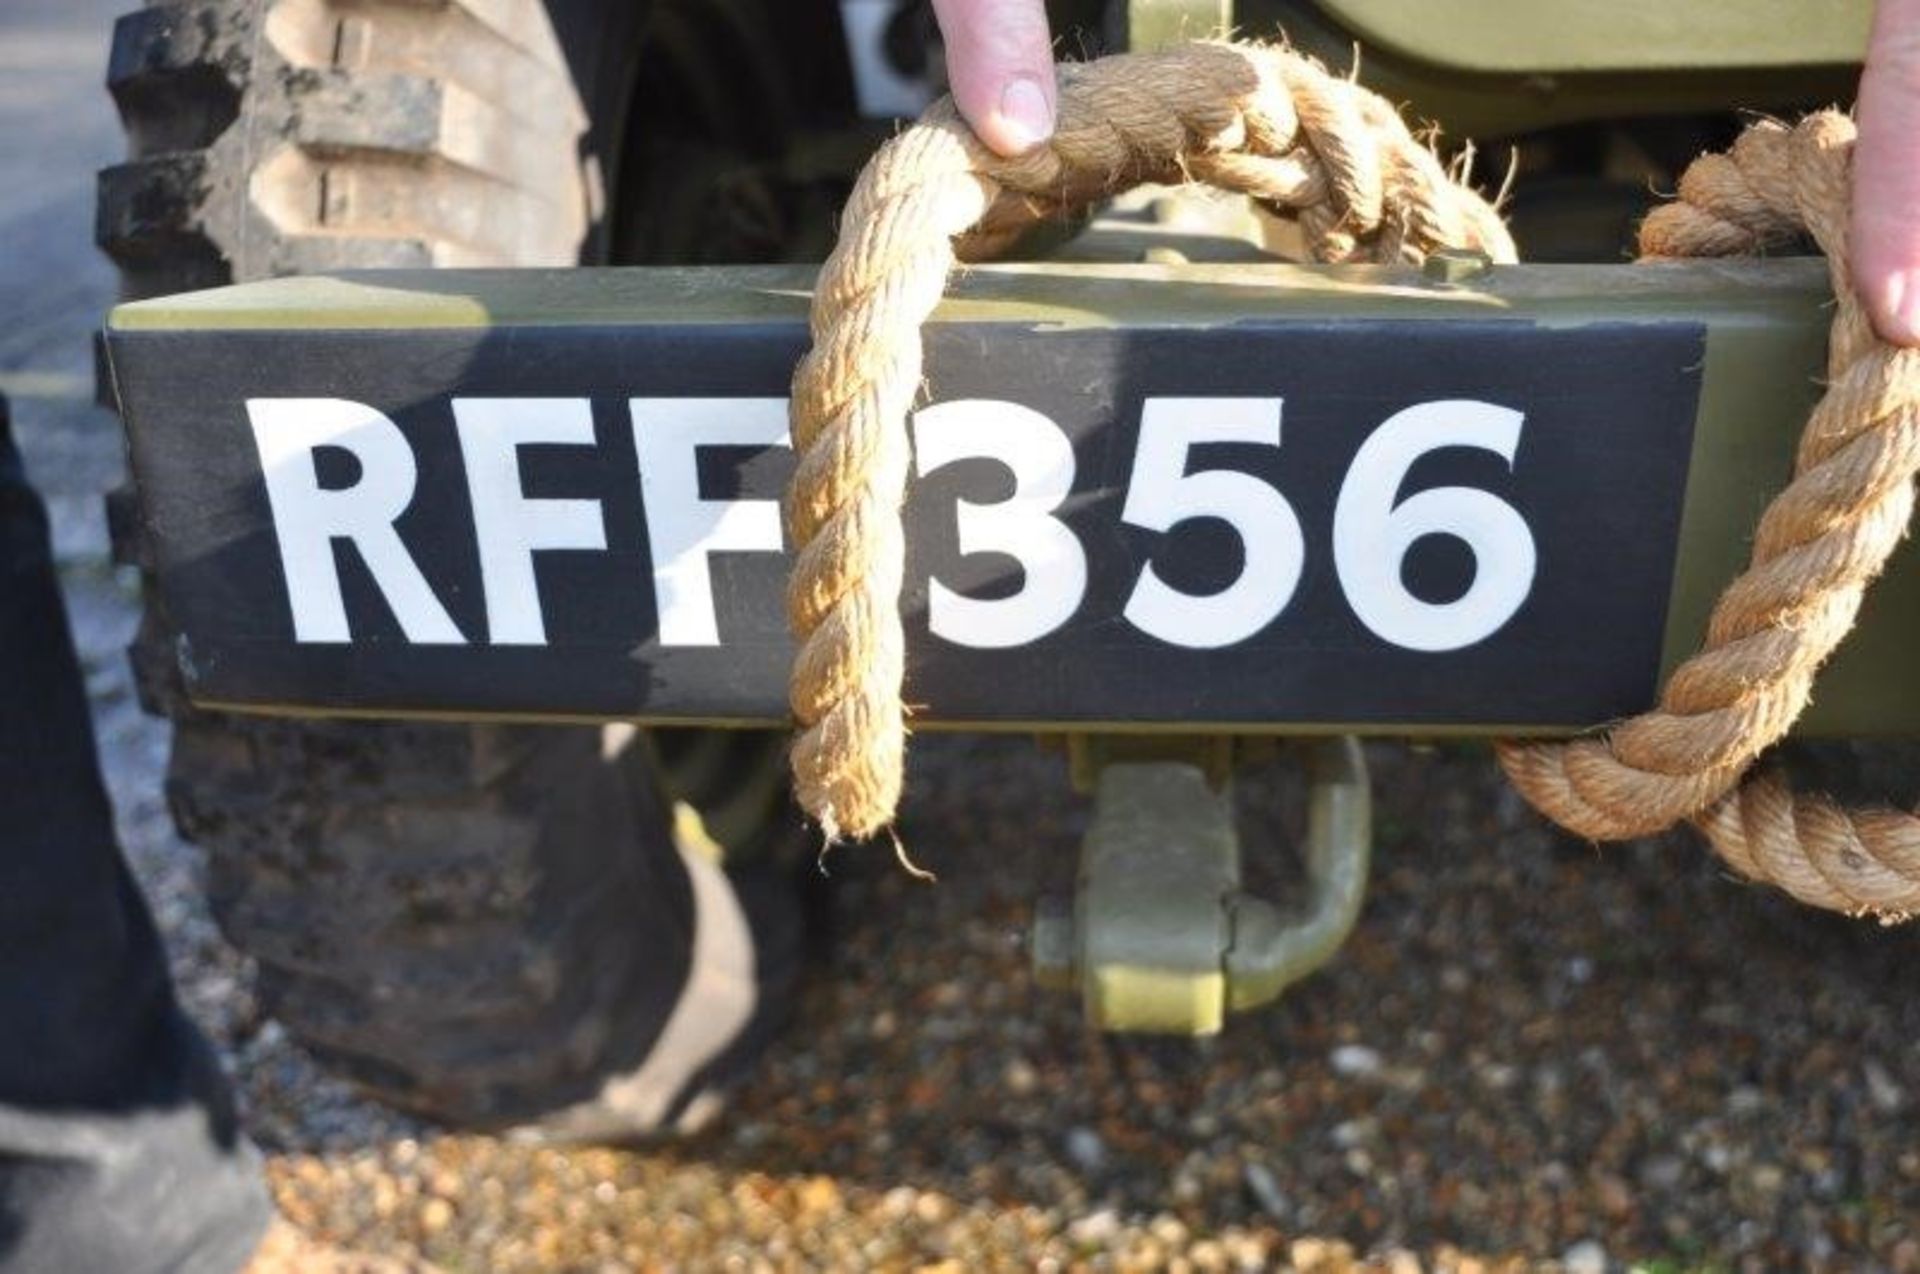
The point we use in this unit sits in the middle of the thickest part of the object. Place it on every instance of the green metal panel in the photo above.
(1155, 24)
(1485, 68)
(1559, 36)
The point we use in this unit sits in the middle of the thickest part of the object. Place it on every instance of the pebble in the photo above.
(1266, 1192)
(1169, 1230)
(1320, 1256)
(1020, 1077)
(1352, 1133)
(1498, 1076)
(1585, 1257)
(819, 1195)
(1356, 1061)
(1086, 1149)
(1888, 1097)
(1096, 1228)
(1663, 1172)
(1613, 1195)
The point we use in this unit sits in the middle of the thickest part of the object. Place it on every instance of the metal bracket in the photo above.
(1160, 936)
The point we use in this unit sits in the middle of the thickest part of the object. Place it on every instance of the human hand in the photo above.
(1885, 235)
(1000, 66)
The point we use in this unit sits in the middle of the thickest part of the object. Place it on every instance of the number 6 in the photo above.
(1371, 534)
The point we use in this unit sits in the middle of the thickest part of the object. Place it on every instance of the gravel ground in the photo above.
(1532, 1053)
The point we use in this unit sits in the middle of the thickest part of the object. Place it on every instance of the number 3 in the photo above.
(1023, 527)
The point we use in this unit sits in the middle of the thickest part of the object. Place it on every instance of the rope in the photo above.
(1339, 160)
(1257, 120)
(1818, 545)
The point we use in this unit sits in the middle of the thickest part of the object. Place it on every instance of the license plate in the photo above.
(1420, 514)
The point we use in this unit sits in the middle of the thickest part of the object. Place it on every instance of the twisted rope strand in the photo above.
(1339, 160)
(1255, 120)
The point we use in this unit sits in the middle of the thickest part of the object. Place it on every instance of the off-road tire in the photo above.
(491, 926)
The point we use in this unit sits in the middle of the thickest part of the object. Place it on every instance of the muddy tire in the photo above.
(491, 926)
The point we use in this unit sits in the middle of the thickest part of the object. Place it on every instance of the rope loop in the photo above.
(1337, 159)
(1818, 545)
(1308, 146)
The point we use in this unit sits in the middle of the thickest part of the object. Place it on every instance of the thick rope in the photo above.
(1818, 545)
(1306, 144)
(1340, 161)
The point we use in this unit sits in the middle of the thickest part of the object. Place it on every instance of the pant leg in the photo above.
(119, 1146)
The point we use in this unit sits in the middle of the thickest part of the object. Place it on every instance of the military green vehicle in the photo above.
(470, 882)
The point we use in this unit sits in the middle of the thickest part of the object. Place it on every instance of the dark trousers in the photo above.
(119, 1149)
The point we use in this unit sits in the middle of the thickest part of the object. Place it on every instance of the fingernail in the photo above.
(1900, 308)
(1026, 117)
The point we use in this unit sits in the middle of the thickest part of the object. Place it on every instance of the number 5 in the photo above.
(1161, 494)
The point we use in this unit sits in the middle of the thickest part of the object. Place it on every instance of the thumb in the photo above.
(1000, 64)
(1885, 234)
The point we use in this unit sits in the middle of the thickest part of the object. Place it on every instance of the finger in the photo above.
(1886, 174)
(1000, 66)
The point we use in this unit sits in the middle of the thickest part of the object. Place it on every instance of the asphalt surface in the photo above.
(1532, 1053)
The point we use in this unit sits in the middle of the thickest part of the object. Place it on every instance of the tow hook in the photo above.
(1160, 937)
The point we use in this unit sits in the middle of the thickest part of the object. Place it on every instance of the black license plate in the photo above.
(1366, 522)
